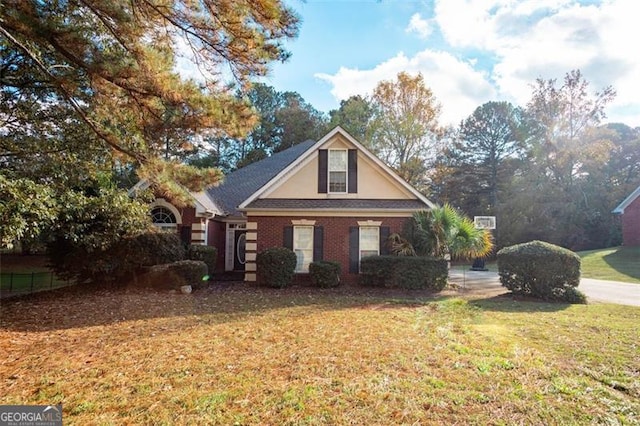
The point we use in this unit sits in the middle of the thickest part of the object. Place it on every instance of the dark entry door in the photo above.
(239, 255)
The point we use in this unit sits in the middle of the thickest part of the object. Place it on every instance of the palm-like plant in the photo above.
(443, 231)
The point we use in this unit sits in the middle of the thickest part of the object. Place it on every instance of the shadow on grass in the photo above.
(625, 260)
(89, 306)
(509, 302)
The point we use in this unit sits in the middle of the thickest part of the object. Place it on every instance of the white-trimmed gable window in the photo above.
(369, 241)
(163, 218)
(338, 171)
(303, 247)
(164, 215)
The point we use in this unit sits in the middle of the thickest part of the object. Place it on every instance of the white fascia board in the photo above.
(627, 201)
(289, 168)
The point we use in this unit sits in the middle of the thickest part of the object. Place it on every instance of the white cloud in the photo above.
(523, 40)
(529, 39)
(419, 26)
(454, 82)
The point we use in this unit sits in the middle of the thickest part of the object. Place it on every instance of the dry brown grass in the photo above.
(304, 356)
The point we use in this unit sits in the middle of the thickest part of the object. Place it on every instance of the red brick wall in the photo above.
(336, 235)
(188, 216)
(631, 224)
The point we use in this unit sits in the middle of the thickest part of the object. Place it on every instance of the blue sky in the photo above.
(469, 51)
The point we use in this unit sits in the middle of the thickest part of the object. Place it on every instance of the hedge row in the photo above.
(407, 272)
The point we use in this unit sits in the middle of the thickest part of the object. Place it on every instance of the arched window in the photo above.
(162, 215)
(164, 218)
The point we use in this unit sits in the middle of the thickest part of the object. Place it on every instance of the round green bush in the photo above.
(325, 273)
(207, 254)
(540, 270)
(276, 266)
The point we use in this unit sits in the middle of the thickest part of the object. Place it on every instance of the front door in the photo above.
(240, 239)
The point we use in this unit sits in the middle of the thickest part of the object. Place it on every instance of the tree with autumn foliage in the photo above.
(568, 146)
(88, 84)
(354, 115)
(404, 131)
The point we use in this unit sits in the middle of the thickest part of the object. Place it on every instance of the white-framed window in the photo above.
(369, 241)
(303, 247)
(163, 218)
(338, 171)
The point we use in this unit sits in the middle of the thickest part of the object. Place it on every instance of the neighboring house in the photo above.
(629, 210)
(326, 200)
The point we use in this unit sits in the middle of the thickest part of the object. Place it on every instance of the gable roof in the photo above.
(303, 157)
(240, 184)
(627, 201)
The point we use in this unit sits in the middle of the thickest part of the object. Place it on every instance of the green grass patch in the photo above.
(612, 264)
(251, 355)
(26, 274)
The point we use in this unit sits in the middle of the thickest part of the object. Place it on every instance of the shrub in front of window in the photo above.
(207, 254)
(325, 273)
(409, 272)
(276, 267)
(541, 270)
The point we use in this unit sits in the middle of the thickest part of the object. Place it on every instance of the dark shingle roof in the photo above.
(337, 204)
(240, 184)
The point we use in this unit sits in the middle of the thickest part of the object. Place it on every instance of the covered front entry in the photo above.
(235, 257)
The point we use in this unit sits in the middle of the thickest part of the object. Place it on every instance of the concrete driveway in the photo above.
(488, 283)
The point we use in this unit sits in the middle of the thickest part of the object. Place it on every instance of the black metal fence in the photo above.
(14, 283)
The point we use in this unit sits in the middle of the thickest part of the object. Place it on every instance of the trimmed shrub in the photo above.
(409, 272)
(148, 249)
(176, 274)
(207, 254)
(541, 270)
(119, 260)
(191, 272)
(325, 273)
(276, 266)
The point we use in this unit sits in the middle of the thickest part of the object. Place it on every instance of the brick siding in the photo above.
(631, 224)
(336, 235)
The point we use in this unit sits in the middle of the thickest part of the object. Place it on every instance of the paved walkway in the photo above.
(480, 282)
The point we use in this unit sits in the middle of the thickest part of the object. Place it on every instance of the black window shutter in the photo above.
(318, 243)
(384, 235)
(354, 249)
(353, 171)
(288, 237)
(323, 171)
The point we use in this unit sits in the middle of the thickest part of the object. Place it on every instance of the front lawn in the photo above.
(613, 264)
(243, 355)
